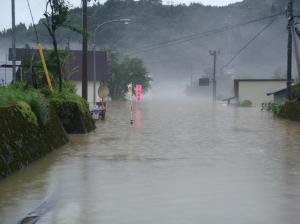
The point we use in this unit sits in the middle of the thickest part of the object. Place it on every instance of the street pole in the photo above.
(5, 70)
(289, 49)
(84, 50)
(126, 21)
(95, 71)
(214, 54)
(296, 51)
(13, 35)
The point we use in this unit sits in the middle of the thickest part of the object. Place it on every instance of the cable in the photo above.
(248, 43)
(33, 24)
(198, 35)
(226, 53)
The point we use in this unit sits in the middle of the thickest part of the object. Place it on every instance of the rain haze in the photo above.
(168, 112)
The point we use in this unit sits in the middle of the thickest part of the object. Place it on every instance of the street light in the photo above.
(126, 21)
(13, 35)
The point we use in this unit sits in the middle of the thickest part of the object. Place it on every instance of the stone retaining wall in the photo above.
(22, 142)
(74, 120)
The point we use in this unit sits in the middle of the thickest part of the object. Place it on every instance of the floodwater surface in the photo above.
(184, 162)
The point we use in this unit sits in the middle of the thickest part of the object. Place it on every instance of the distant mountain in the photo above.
(175, 41)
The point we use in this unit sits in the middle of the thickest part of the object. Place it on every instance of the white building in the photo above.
(90, 88)
(75, 72)
(256, 90)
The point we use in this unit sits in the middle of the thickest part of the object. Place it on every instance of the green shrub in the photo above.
(296, 90)
(26, 111)
(276, 108)
(59, 98)
(20, 92)
(289, 110)
(69, 86)
(41, 110)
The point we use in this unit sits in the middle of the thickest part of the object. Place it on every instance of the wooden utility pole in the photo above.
(13, 38)
(290, 17)
(84, 50)
(214, 54)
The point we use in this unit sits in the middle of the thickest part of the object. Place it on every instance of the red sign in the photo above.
(138, 92)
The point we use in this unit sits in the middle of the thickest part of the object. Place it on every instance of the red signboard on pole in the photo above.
(138, 92)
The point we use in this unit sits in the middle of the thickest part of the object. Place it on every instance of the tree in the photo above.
(56, 13)
(129, 70)
(33, 72)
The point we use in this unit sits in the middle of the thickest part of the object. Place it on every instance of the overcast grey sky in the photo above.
(22, 12)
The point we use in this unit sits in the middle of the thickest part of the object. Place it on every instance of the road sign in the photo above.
(204, 82)
(138, 92)
(103, 91)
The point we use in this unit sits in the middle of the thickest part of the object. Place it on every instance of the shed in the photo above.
(256, 90)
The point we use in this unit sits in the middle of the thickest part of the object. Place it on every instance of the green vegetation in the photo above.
(26, 111)
(33, 71)
(34, 103)
(125, 71)
(22, 142)
(154, 24)
(152, 20)
(66, 97)
(296, 91)
(289, 110)
(56, 14)
(21, 94)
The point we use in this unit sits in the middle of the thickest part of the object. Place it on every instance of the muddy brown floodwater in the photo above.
(181, 163)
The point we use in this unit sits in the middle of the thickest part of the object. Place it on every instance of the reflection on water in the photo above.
(179, 163)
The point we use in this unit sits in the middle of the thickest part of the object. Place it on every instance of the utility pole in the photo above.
(84, 50)
(214, 53)
(5, 70)
(13, 37)
(290, 17)
(296, 51)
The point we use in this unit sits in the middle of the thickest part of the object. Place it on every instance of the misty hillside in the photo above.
(174, 40)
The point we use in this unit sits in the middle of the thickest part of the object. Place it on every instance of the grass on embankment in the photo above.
(289, 110)
(34, 103)
(30, 102)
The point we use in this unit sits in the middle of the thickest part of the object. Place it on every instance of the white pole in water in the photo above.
(131, 104)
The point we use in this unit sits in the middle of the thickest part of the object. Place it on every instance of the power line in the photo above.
(194, 36)
(194, 59)
(248, 43)
(33, 24)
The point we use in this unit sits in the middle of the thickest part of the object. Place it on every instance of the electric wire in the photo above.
(33, 24)
(248, 43)
(231, 53)
(194, 36)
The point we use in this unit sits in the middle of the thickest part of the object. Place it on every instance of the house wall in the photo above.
(90, 91)
(280, 98)
(256, 91)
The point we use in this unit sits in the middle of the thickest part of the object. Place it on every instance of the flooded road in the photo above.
(181, 163)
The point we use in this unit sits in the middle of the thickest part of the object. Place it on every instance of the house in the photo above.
(256, 90)
(280, 95)
(72, 69)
